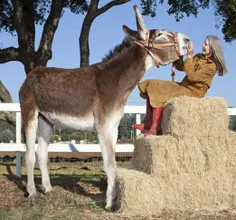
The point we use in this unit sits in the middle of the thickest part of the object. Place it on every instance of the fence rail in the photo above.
(18, 147)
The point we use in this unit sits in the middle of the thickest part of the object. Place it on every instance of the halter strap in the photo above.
(160, 46)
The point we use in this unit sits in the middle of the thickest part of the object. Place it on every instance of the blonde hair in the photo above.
(217, 54)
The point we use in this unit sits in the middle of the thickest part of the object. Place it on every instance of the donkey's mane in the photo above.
(125, 44)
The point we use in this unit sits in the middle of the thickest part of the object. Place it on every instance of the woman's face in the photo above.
(206, 48)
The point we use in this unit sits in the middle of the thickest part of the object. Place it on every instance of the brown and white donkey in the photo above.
(91, 98)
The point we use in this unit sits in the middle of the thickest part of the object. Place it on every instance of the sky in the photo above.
(106, 33)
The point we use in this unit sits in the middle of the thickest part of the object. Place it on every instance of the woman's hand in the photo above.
(190, 50)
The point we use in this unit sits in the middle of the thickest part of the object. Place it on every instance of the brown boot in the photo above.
(156, 121)
(148, 119)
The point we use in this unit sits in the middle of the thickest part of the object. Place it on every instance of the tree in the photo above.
(19, 17)
(225, 11)
(93, 12)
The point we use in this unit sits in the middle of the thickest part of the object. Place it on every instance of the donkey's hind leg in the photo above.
(107, 136)
(30, 134)
(45, 133)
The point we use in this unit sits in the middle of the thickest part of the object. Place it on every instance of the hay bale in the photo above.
(135, 194)
(165, 156)
(139, 194)
(231, 146)
(150, 154)
(191, 167)
(191, 117)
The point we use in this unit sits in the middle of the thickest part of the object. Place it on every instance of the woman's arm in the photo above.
(202, 74)
(179, 64)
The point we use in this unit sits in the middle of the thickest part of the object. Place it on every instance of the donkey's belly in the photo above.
(85, 123)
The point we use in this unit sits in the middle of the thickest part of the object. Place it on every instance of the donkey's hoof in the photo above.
(32, 198)
(47, 189)
(109, 208)
(48, 194)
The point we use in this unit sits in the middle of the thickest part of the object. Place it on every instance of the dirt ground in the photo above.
(78, 193)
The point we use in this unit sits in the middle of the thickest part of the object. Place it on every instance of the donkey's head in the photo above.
(162, 45)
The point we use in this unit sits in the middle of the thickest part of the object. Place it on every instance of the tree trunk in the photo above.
(92, 13)
(84, 40)
(24, 23)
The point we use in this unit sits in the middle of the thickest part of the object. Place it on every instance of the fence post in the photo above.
(138, 121)
(18, 142)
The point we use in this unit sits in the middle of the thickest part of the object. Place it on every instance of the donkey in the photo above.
(91, 98)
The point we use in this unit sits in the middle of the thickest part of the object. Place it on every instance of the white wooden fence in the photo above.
(18, 147)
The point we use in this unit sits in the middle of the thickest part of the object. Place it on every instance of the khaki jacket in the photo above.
(199, 73)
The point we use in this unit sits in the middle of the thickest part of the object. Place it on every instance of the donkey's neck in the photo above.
(123, 72)
(119, 76)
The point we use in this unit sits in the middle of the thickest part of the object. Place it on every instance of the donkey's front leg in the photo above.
(107, 136)
(30, 127)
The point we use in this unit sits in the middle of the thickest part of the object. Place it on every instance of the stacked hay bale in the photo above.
(192, 166)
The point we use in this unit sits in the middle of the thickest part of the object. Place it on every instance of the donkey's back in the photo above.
(61, 95)
(66, 87)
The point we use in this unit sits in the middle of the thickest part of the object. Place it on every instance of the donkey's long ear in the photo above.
(142, 30)
(130, 33)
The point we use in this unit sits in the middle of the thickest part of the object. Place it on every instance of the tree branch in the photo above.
(110, 5)
(92, 13)
(50, 27)
(9, 54)
(5, 17)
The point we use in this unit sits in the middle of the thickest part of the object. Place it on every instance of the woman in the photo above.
(199, 70)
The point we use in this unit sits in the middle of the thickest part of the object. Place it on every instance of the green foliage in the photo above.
(6, 12)
(6, 136)
(188, 7)
(55, 138)
(7, 132)
(177, 8)
(41, 11)
(77, 6)
(225, 12)
(68, 135)
(126, 132)
(232, 123)
(149, 7)
(5, 125)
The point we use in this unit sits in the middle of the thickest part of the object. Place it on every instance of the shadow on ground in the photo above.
(87, 184)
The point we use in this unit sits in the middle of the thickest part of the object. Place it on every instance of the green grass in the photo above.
(76, 191)
(6, 214)
(36, 215)
(78, 194)
(94, 207)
